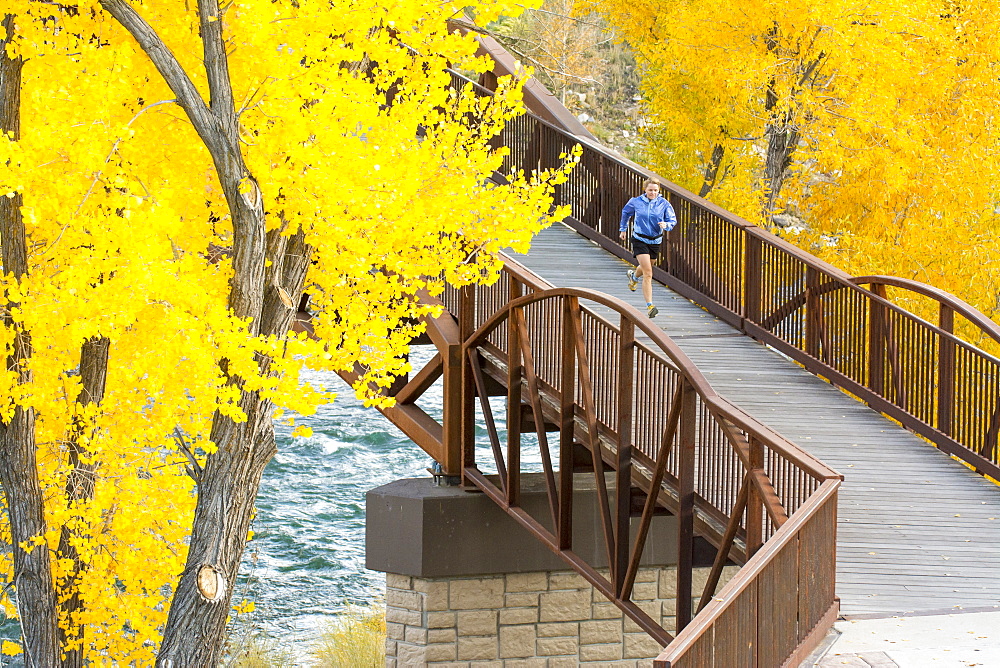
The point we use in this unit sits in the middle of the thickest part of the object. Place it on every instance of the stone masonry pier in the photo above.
(466, 586)
(547, 619)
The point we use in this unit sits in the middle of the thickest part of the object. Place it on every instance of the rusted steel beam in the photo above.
(413, 421)
(623, 473)
(567, 410)
(458, 388)
(652, 496)
(728, 539)
(534, 396)
(491, 428)
(685, 494)
(398, 383)
(455, 398)
(419, 384)
(419, 427)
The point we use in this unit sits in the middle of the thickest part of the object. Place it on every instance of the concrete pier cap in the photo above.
(416, 528)
(467, 586)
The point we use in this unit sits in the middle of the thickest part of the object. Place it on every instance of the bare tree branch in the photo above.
(194, 470)
(114, 148)
(205, 122)
(217, 67)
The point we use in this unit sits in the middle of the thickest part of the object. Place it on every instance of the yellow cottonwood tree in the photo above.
(179, 174)
(112, 492)
(876, 124)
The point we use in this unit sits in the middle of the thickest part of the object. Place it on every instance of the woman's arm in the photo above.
(669, 217)
(627, 212)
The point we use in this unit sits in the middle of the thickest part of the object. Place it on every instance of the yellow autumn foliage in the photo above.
(122, 205)
(889, 109)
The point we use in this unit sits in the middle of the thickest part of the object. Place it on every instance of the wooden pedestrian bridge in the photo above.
(840, 449)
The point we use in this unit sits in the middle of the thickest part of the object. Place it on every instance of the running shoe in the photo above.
(651, 311)
(632, 280)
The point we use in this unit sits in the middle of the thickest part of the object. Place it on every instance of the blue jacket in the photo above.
(648, 213)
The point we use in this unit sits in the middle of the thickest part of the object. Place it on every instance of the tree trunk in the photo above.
(228, 486)
(80, 487)
(36, 600)
(712, 171)
(782, 140)
(783, 130)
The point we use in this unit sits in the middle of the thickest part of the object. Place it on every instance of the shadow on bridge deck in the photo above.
(918, 530)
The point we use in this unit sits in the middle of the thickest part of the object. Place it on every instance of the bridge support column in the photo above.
(467, 586)
(540, 618)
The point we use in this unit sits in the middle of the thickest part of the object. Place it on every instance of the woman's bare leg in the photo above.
(645, 271)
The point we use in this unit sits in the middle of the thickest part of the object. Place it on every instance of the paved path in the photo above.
(917, 530)
(934, 641)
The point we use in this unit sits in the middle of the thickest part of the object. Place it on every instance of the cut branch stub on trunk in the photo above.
(211, 584)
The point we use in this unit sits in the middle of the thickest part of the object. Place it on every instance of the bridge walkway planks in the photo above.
(917, 532)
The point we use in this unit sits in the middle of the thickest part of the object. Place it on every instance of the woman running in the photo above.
(652, 216)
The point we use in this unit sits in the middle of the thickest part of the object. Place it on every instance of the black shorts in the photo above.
(642, 248)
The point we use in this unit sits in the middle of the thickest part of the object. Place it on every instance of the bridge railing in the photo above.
(614, 386)
(773, 612)
(935, 378)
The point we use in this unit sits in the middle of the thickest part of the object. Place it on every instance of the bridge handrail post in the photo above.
(515, 371)
(752, 278)
(460, 392)
(623, 477)
(946, 370)
(876, 342)
(686, 499)
(755, 503)
(814, 313)
(564, 530)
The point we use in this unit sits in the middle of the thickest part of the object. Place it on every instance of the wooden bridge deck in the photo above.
(917, 532)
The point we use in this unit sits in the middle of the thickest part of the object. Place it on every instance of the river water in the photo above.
(306, 561)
